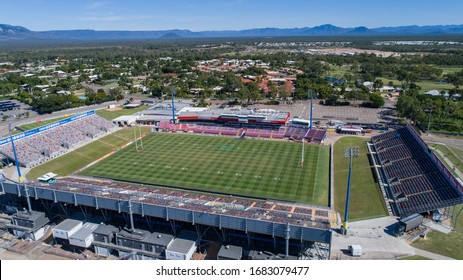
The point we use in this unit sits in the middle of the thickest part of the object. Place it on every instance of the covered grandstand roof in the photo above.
(236, 113)
(296, 214)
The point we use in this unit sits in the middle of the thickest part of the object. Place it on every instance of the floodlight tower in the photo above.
(20, 178)
(302, 159)
(349, 152)
(311, 107)
(172, 92)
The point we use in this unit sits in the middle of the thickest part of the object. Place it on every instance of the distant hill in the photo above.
(8, 32)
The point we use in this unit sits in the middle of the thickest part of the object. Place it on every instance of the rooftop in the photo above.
(86, 230)
(183, 243)
(68, 224)
(28, 215)
(145, 236)
(230, 252)
(105, 229)
(47, 176)
(296, 214)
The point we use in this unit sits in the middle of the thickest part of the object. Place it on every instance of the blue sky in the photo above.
(199, 15)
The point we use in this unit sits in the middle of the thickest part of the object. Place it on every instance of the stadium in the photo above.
(245, 180)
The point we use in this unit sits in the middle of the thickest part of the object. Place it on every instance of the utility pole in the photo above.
(349, 152)
(20, 178)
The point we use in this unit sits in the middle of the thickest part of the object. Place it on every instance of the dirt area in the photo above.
(358, 51)
(114, 109)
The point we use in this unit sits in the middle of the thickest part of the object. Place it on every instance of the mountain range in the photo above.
(9, 32)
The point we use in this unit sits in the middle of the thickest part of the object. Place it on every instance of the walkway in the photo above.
(449, 163)
(377, 242)
(430, 255)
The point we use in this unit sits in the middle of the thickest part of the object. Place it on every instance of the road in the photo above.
(450, 163)
(457, 143)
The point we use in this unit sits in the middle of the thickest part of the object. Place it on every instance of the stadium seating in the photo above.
(46, 145)
(274, 212)
(415, 180)
(319, 136)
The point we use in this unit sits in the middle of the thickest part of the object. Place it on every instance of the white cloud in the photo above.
(111, 18)
(96, 5)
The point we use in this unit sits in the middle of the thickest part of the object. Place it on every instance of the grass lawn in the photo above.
(415, 258)
(79, 158)
(456, 151)
(260, 168)
(366, 199)
(447, 70)
(449, 245)
(449, 155)
(110, 115)
(430, 85)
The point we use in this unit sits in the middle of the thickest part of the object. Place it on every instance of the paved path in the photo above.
(375, 237)
(457, 143)
(450, 163)
(430, 255)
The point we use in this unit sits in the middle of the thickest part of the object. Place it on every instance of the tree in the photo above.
(378, 83)
(253, 89)
(272, 90)
(376, 100)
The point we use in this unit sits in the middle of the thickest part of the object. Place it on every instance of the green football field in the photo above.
(261, 168)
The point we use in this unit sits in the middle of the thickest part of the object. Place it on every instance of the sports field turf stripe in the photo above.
(204, 159)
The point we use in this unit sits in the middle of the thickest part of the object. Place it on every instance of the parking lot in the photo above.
(347, 114)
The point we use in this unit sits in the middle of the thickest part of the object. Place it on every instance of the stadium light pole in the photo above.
(302, 159)
(349, 152)
(172, 92)
(135, 138)
(311, 107)
(20, 178)
(141, 138)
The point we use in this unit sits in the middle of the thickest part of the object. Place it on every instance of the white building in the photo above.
(66, 228)
(84, 236)
(183, 247)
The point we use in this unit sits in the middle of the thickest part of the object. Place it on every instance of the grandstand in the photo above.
(293, 229)
(292, 132)
(39, 145)
(415, 180)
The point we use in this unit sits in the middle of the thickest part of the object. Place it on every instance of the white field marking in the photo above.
(259, 177)
(279, 173)
(316, 174)
(199, 173)
(250, 156)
